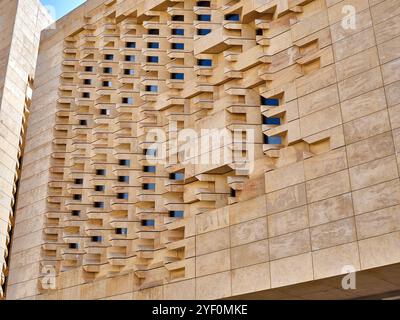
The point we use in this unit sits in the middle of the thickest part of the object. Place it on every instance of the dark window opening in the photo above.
(150, 152)
(130, 58)
(97, 239)
(86, 95)
(233, 193)
(149, 186)
(131, 45)
(124, 179)
(125, 163)
(178, 46)
(76, 213)
(107, 70)
(178, 76)
(89, 69)
(276, 140)
(153, 45)
(123, 196)
(100, 172)
(149, 169)
(232, 17)
(204, 4)
(107, 84)
(77, 197)
(176, 214)
(83, 122)
(203, 32)
(178, 18)
(204, 62)
(259, 32)
(121, 231)
(99, 188)
(87, 81)
(73, 246)
(178, 32)
(154, 32)
(152, 59)
(148, 223)
(269, 102)
(177, 176)
(79, 181)
(204, 17)
(109, 57)
(129, 72)
(99, 205)
(271, 121)
(151, 88)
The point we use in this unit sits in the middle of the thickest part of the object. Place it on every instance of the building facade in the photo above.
(213, 150)
(21, 23)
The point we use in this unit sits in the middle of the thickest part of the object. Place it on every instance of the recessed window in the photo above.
(104, 112)
(76, 213)
(154, 32)
(203, 32)
(148, 223)
(150, 169)
(232, 17)
(86, 95)
(83, 122)
(78, 181)
(269, 102)
(271, 121)
(178, 18)
(152, 88)
(204, 17)
(127, 100)
(204, 4)
(87, 81)
(107, 84)
(121, 231)
(73, 246)
(99, 205)
(150, 152)
(153, 45)
(99, 188)
(152, 59)
(124, 179)
(204, 62)
(107, 70)
(100, 172)
(109, 57)
(176, 214)
(125, 163)
(178, 46)
(276, 140)
(178, 32)
(123, 196)
(131, 45)
(129, 72)
(89, 69)
(259, 32)
(97, 239)
(178, 76)
(233, 193)
(77, 197)
(177, 176)
(130, 58)
(149, 186)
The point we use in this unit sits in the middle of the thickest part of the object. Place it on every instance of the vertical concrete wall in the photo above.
(21, 23)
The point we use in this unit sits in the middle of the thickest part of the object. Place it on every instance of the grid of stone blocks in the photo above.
(321, 98)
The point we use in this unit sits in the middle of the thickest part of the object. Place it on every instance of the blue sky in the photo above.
(62, 7)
